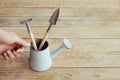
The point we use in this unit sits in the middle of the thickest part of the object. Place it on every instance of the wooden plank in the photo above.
(91, 26)
(89, 44)
(60, 74)
(33, 12)
(90, 4)
(84, 53)
(31, 3)
(101, 12)
(77, 58)
(78, 32)
(81, 12)
(62, 21)
(73, 59)
(60, 3)
(85, 45)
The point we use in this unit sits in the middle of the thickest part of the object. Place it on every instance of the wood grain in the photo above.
(60, 74)
(78, 32)
(63, 22)
(84, 53)
(85, 45)
(81, 12)
(31, 3)
(61, 3)
(81, 59)
(33, 12)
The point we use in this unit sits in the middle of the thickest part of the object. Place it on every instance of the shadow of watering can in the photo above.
(42, 60)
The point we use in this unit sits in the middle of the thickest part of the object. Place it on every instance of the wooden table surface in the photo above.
(92, 26)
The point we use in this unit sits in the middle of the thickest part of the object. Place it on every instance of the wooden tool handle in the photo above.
(33, 41)
(43, 40)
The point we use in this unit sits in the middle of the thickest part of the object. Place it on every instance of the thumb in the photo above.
(23, 43)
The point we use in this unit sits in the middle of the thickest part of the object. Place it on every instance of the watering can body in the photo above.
(42, 60)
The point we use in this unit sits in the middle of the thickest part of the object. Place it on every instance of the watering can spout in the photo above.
(65, 44)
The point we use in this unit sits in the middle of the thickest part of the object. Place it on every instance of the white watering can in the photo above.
(42, 60)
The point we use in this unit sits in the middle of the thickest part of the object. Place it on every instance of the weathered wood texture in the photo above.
(92, 26)
(60, 74)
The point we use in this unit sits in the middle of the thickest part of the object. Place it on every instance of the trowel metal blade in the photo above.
(54, 16)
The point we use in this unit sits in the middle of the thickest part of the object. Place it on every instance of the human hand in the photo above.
(11, 46)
